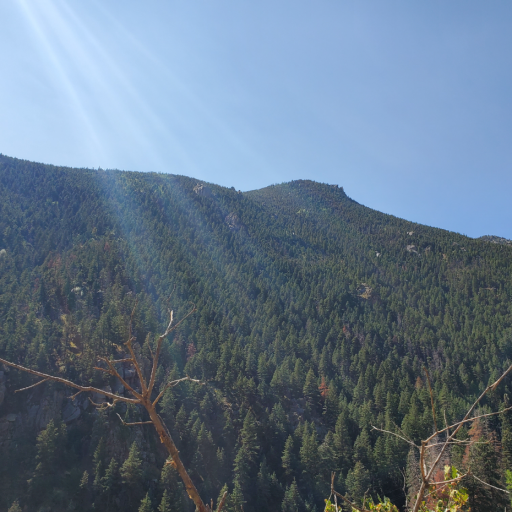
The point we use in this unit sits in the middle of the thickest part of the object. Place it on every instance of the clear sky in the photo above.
(407, 104)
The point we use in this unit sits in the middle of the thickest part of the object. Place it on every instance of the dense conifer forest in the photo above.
(315, 319)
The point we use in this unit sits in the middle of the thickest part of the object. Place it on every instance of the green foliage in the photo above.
(145, 504)
(15, 507)
(165, 504)
(292, 501)
(450, 498)
(131, 470)
(315, 318)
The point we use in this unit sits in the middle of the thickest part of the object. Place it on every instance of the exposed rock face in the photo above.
(412, 248)
(233, 221)
(203, 190)
(71, 411)
(496, 239)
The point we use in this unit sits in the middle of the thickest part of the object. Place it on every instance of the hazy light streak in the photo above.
(125, 85)
(52, 54)
(194, 100)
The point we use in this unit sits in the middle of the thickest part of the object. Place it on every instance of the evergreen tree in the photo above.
(50, 447)
(15, 507)
(145, 504)
(165, 504)
(131, 474)
(358, 482)
(309, 456)
(244, 467)
(311, 392)
(172, 486)
(98, 463)
(110, 483)
(292, 501)
(131, 470)
(482, 457)
(289, 459)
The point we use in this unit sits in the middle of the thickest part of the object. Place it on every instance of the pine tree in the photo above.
(131, 474)
(482, 458)
(292, 501)
(363, 449)
(15, 507)
(268, 488)
(309, 456)
(342, 443)
(237, 498)
(289, 459)
(145, 504)
(311, 392)
(506, 439)
(131, 470)
(165, 504)
(358, 481)
(244, 467)
(172, 485)
(50, 447)
(84, 481)
(110, 482)
(98, 458)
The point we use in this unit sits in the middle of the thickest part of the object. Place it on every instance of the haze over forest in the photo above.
(315, 318)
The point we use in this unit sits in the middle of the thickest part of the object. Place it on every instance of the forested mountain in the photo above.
(315, 317)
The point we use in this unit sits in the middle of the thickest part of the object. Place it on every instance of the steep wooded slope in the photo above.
(315, 317)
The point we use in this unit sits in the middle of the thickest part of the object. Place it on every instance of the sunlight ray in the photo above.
(35, 19)
(113, 101)
(215, 121)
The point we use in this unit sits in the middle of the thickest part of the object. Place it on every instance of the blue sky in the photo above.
(406, 104)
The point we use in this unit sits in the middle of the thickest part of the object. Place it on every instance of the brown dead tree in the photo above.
(142, 397)
(433, 450)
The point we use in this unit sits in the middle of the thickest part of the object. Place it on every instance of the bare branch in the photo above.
(489, 485)
(32, 386)
(126, 360)
(446, 482)
(72, 397)
(431, 398)
(128, 345)
(134, 423)
(346, 500)
(175, 326)
(492, 387)
(157, 354)
(408, 441)
(102, 369)
(115, 373)
(460, 423)
(140, 399)
(467, 417)
(222, 501)
(172, 384)
(69, 383)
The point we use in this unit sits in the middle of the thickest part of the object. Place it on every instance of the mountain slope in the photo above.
(315, 317)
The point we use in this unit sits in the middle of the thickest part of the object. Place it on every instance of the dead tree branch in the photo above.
(143, 398)
(428, 469)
